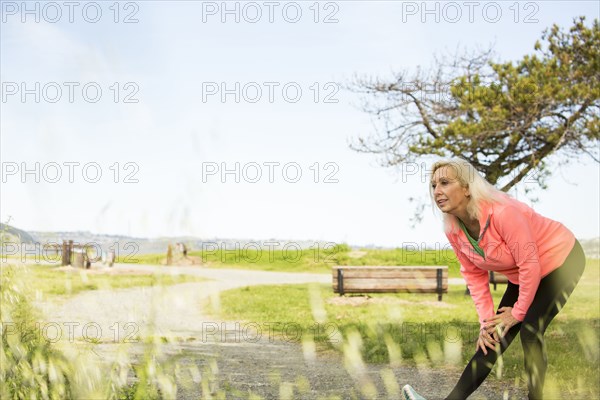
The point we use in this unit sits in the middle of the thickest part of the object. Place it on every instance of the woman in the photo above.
(490, 231)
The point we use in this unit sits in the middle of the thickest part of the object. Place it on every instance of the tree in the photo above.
(506, 118)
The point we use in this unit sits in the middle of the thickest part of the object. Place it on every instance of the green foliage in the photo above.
(506, 118)
(29, 366)
(154, 376)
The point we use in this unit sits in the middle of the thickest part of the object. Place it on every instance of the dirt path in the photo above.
(241, 360)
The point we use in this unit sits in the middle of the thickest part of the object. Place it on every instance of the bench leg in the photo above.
(439, 284)
(340, 276)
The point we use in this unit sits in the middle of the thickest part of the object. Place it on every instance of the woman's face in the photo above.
(449, 195)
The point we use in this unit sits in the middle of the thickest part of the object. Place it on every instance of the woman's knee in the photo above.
(530, 333)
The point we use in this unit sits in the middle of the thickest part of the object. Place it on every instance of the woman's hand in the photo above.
(487, 338)
(503, 321)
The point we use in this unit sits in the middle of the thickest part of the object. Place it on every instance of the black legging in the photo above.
(552, 294)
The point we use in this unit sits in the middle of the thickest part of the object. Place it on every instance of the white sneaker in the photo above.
(410, 394)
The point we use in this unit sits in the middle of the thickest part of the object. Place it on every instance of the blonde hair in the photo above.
(481, 190)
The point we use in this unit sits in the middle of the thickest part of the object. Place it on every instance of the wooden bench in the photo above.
(390, 279)
(496, 278)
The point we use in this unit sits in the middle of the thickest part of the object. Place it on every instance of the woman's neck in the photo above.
(472, 226)
(466, 218)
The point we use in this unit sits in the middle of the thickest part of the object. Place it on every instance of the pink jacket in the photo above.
(518, 243)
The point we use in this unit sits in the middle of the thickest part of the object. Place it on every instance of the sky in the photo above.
(129, 116)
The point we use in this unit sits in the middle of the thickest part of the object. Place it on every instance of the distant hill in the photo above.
(133, 245)
(15, 235)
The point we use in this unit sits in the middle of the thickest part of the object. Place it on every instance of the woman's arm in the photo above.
(478, 283)
(515, 228)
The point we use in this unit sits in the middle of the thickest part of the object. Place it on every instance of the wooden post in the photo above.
(439, 283)
(110, 258)
(78, 259)
(340, 276)
(70, 251)
(65, 253)
(169, 254)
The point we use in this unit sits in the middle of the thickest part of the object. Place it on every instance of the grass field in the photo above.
(399, 329)
(48, 280)
(417, 330)
(317, 259)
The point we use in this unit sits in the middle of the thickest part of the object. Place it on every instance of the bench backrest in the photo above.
(497, 277)
(373, 279)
